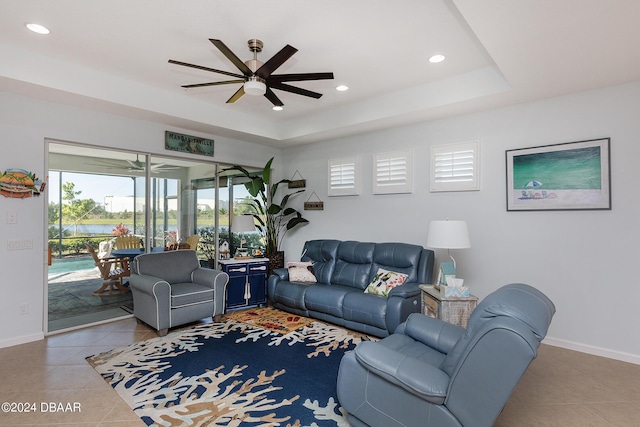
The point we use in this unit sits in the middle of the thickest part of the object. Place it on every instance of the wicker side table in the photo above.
(454, 310)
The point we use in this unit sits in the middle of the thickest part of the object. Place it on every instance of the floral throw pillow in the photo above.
(384, 281)
(301, 272)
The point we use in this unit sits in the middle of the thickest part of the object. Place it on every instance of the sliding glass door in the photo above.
(97, 195)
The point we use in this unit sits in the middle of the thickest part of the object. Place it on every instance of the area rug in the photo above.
(232, 373)
(271, 319)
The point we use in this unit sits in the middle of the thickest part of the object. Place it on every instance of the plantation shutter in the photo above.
(392, 172)
(343, 177)
(455, 167)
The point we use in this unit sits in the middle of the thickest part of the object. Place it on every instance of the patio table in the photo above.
(133, 252)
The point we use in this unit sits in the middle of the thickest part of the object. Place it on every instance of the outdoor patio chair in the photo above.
(192, 241)
(128, 242)
(112, 270)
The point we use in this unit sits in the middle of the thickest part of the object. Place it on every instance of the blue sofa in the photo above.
(343, 270)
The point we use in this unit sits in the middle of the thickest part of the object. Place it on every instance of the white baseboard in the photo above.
(22, 340)
(596, 351)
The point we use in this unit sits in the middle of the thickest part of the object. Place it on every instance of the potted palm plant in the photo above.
(274, 217)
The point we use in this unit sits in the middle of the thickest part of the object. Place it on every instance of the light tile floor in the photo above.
(561, 388)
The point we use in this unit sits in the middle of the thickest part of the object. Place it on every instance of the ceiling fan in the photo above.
(257, 77)
(135, 165)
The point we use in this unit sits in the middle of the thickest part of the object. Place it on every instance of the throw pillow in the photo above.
(301, 272)
(384, 281)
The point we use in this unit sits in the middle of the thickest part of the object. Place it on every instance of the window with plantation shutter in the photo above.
(455, 167)
(343, 177)
(392, 172)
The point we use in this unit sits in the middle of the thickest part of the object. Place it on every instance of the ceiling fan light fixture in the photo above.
(255, 86)
(342, 88)
(277, 108)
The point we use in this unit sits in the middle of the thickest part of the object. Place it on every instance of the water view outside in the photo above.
(564, 176)
(577, 169)
(65, 265)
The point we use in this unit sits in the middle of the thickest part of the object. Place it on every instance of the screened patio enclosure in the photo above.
(95, 195)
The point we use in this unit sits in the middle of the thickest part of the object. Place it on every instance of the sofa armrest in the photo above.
(435, 333)
(215, 279)
(406, 290)
(282, 273)
(208, 277)
(419, 378)
(147, 285)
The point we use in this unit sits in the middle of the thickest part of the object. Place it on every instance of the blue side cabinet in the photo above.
(247, 282)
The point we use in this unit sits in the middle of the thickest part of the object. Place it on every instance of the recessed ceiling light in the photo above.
(342, 88)
(436, 58)
(37, 28)
(277, 108)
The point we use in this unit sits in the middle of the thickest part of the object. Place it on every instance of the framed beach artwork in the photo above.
(569, 176)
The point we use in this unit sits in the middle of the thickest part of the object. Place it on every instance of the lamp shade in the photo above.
(242, 223)
(448, 235)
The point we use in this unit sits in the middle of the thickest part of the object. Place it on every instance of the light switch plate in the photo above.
(12, 218)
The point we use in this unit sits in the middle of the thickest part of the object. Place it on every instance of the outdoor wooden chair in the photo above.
(128, 241)
(193, 242)
(112, 270)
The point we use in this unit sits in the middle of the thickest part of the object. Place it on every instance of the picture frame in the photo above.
(566, 176)
(188, 144)
(447, 269)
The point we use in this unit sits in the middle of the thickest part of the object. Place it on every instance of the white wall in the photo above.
(24, 125)
(583, 260)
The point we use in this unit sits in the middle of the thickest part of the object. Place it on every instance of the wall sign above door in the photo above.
(188, 144)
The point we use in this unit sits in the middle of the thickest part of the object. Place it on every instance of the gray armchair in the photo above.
(431, 373)
(171, 289)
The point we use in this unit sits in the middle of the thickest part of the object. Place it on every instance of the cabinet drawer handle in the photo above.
(262, 268)
(240, 269)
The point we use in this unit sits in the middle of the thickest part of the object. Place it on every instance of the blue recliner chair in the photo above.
(432, 373)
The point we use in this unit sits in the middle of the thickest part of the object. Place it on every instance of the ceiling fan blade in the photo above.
(231, 56)
(200, 67)
(236, 95)
(296, 90)
(299, 77)
(163, 167)
(273, 98)
(226, 82)
(108, 165)
(276, 60)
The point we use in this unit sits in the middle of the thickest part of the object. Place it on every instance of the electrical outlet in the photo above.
(19, 244)
(23, 309)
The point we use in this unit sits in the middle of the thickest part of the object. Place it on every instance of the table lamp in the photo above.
(448, 235)
(242, 224)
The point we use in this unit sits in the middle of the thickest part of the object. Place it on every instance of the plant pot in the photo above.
(276, 260)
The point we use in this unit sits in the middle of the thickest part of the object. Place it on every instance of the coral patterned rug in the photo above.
(233, 373)
(271, 319)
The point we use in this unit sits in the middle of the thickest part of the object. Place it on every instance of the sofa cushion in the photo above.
(326, 298)
(384, 281)
(365, 308)
(399, 257)
(353, 264)
(291, 294)
(183, 294)
(322, 253)
(172, 266)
